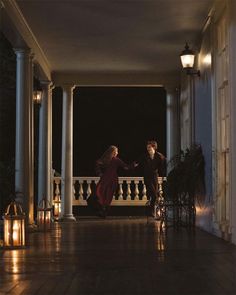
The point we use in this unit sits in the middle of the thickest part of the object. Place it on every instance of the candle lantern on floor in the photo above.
(44, 215)
(57, 207)
(14, 226)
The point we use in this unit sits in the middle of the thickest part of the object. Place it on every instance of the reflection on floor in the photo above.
(119, 256)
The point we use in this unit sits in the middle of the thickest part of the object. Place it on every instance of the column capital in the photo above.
(22, 51)
(68, 87)
(46, 83)
(172, 90)
(32, 56)
(52, 86)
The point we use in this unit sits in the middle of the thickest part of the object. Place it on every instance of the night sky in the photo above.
(123, 116)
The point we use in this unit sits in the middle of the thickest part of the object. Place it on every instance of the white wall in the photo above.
(205, 98)
(203, 125)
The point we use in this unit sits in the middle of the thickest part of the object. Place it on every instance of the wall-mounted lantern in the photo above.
(37, 92)
(187, 58)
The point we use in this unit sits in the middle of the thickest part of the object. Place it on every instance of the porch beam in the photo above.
(127, 79)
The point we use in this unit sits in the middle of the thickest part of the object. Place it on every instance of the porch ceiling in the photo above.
(111, 37)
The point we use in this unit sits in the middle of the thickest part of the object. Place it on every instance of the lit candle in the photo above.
(15, 234)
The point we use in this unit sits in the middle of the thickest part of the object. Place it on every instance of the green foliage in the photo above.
(187, 178)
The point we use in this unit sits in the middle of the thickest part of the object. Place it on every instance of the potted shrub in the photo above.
(184, 182)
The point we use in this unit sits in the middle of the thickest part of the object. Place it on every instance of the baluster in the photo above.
(57, 190)
(128, 190)
(120, 191)
(160, 182)
(136, 190)
(74, 181)
(92, 186)
(89, 191)
(144, 193)
(81, 191)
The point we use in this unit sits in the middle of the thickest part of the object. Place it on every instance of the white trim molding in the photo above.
(14, 13)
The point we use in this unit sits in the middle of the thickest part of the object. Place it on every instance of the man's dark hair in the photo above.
(153, 143)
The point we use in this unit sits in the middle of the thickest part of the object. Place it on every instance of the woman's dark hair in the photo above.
(153, 143)
(107, 156)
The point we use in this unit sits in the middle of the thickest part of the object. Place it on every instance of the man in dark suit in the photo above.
(153, 165)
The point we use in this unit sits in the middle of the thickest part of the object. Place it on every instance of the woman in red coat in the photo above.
(106, 168)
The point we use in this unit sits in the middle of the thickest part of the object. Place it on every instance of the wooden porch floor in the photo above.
(119, 256)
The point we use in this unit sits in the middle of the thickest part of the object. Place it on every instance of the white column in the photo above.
(172, 124)
(23, 153)
(50, 143)
(31, 174)
(67, 153)
(44, 164)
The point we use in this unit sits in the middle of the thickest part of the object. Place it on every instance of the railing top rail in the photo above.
(121, 178)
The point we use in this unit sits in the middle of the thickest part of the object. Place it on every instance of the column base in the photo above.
(67, 218)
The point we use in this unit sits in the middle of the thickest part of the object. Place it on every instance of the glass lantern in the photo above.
(57, 207)
(44, 215)
(37, 96)
(187, 57)
(14, 226)
(37, 92)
